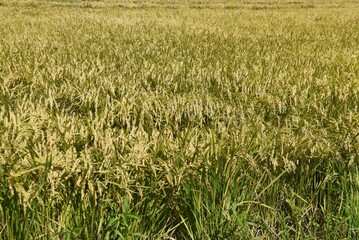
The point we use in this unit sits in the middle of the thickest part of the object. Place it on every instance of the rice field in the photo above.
(179, 119)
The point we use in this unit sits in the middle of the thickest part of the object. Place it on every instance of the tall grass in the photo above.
(191, 124)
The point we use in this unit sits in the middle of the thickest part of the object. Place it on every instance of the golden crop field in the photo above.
(179, 119)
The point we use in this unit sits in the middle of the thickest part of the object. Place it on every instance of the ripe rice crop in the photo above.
(130, 120)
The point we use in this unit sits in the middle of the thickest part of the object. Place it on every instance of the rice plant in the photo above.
(153, 120)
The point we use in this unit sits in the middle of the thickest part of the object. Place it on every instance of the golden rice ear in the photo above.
(169, 238)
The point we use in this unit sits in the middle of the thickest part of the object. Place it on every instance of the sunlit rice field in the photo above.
(179, 119)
